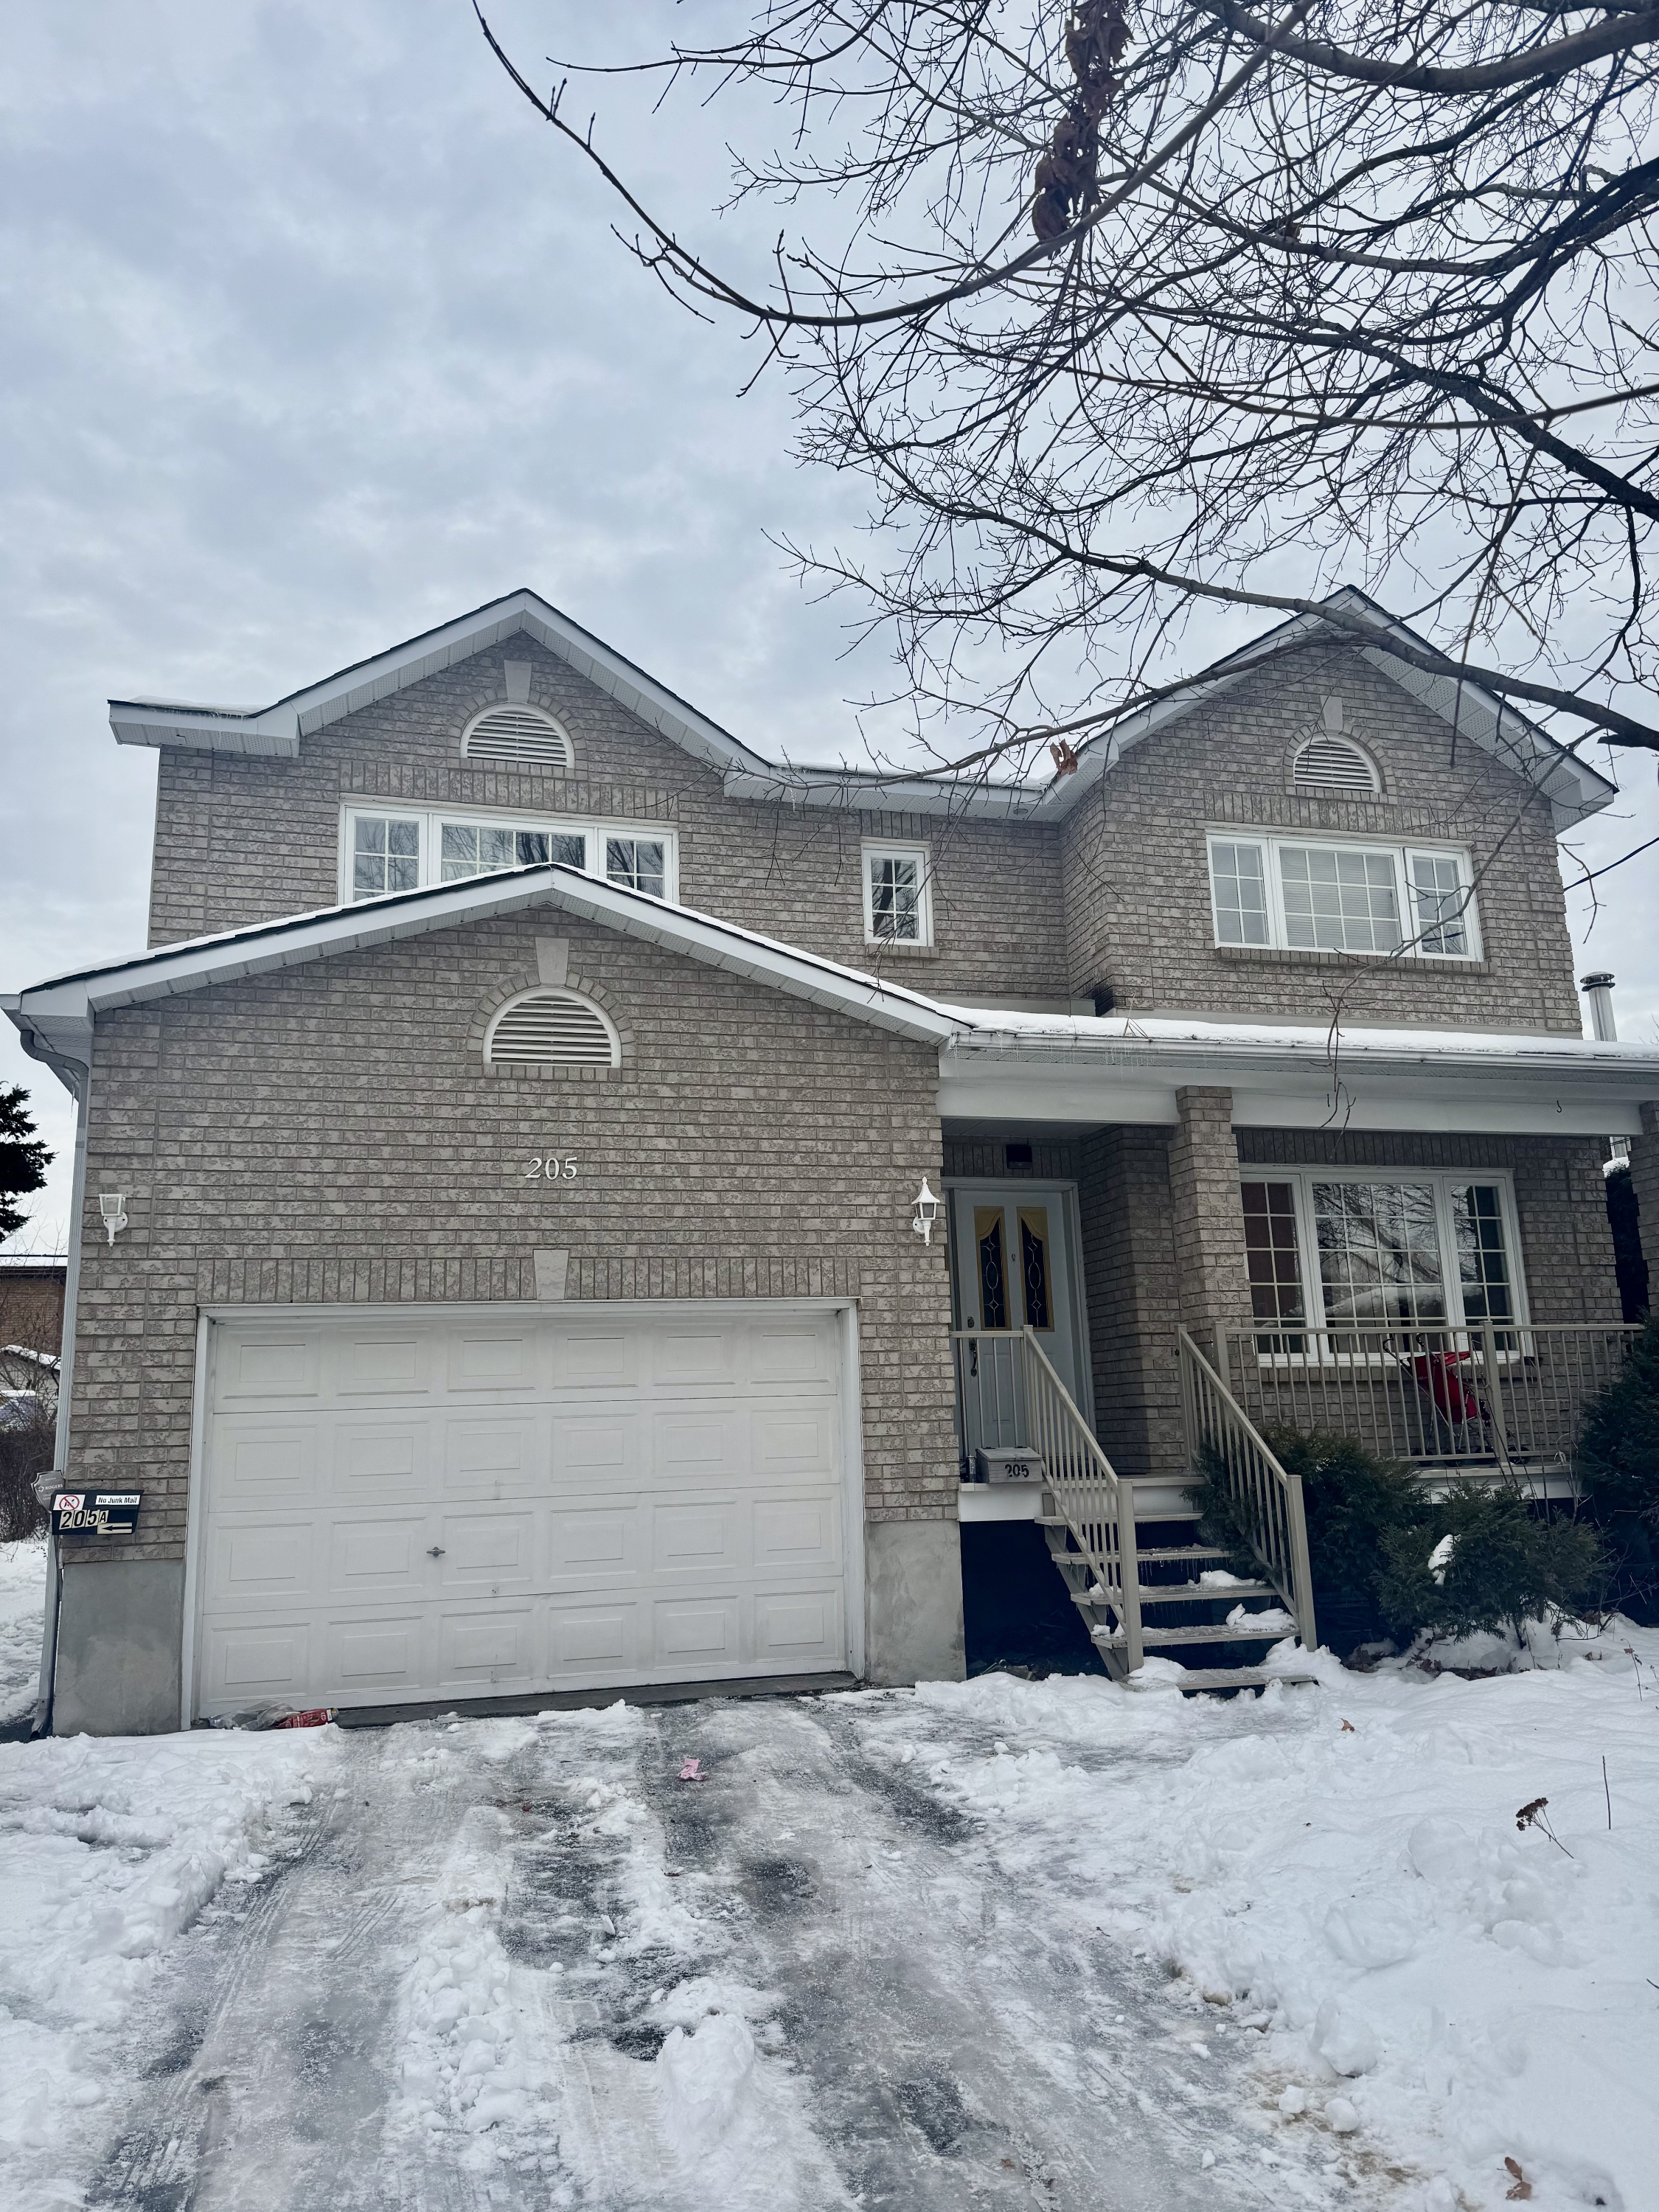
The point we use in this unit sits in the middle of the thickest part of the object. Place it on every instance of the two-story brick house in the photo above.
(505, 1262)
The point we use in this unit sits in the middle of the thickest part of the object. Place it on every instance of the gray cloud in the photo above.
(313, 339)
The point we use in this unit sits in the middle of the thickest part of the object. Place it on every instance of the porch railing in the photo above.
(1267, 1497)
(1487, 1395)
(1008, 1393)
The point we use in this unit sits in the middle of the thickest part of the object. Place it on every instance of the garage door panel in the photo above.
(583, 1639)
(699, 1444)
(492, 1649)
(373, 1364)
(498, 1548)
(785, 1353)
(376, 1557)
(268, 1366)
(701, 1356)
(602, 1450)
(258, 1462)
(799, 1628)
(799, 1441)
(245, 1664)
(257, 1561)
(697, 1636)
(380, 1459)
(709, 1537)
(796, 1532)
(485, 1358)
(590, 1359)
(505, 1458)
(419, 1504)
(596, 1542)
(376, 1654)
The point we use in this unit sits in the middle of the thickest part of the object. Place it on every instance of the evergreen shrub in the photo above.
(1619, 1476)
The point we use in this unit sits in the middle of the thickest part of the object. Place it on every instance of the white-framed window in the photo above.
(1298, 894)
(393, 849)
(1379, 1249)
(898, 905)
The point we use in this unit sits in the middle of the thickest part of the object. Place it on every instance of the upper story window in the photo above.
(385, 851)
(898, 907)
(1289, 893)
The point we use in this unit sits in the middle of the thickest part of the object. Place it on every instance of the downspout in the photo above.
(77, 1076)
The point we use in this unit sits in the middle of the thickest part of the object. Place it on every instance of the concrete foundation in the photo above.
(913, 1603)
(119, 1635)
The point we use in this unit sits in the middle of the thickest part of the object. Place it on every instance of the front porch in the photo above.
(1135, 1302)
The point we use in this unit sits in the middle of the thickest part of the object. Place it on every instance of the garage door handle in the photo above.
(436, 1551)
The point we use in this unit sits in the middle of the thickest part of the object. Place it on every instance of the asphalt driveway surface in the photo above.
(525, 1963)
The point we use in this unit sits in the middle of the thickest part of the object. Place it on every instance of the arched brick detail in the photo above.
(513, 985)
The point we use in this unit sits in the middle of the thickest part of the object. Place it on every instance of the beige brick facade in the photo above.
(330, 1134)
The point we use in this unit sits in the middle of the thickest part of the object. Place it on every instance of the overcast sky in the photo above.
(313, 339)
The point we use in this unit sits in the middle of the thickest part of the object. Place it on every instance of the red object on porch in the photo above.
(1446, 1377)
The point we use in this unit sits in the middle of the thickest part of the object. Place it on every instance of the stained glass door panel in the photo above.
(1010, 1269)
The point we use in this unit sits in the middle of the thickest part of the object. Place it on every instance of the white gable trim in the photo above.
(58, 1015)
(1573, 789)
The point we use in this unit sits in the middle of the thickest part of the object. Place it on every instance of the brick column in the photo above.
(1644, 1181)
(1213, 1279)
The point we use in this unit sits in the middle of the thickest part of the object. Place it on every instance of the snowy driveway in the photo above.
(993, 1944)
(458, 1988)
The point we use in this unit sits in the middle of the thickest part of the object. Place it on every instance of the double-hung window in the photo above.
(898, 907)
(1329, 1250)
(403, 849)
(1294, 895)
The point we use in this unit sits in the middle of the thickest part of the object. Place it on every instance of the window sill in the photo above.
(889, 947)
(1278, 955)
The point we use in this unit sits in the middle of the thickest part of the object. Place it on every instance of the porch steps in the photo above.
(1175, 1567)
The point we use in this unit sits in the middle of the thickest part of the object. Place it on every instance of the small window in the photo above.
(514, 735)
(385, 855)
(898, 904)
(1333, 763)
(639, 864)
(1241, 893)
(551, 1029)
(1440, 904)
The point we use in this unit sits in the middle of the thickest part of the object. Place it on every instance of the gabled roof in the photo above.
(56, 1017)
(1573, 789)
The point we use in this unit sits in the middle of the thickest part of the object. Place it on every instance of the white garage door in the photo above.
(467, 1504)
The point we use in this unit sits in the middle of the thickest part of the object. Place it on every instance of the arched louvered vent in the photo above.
(551, 1029)
(515, 735)
(1328, 763)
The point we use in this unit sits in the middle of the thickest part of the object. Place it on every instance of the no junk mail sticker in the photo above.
(100, 1513)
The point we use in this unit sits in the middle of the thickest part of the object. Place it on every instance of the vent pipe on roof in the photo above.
(1598, 989)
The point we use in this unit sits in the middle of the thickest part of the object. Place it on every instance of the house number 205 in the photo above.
(550, 1171)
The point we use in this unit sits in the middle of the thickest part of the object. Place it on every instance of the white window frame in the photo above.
(1316, 1326)
(1272, 842)
(431, 821)
(886, 849)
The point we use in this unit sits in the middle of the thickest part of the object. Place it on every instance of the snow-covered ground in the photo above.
(22, 1608)
(986, 1944)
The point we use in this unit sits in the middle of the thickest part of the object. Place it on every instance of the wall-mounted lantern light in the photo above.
(113, 1205)
(926, 1213)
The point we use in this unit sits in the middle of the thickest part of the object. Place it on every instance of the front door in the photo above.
(1013, 1267)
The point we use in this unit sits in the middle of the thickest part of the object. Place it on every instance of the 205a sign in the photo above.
(96, 1512)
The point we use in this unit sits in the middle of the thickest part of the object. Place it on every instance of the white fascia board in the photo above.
(66, 1007)
(1573, 788)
